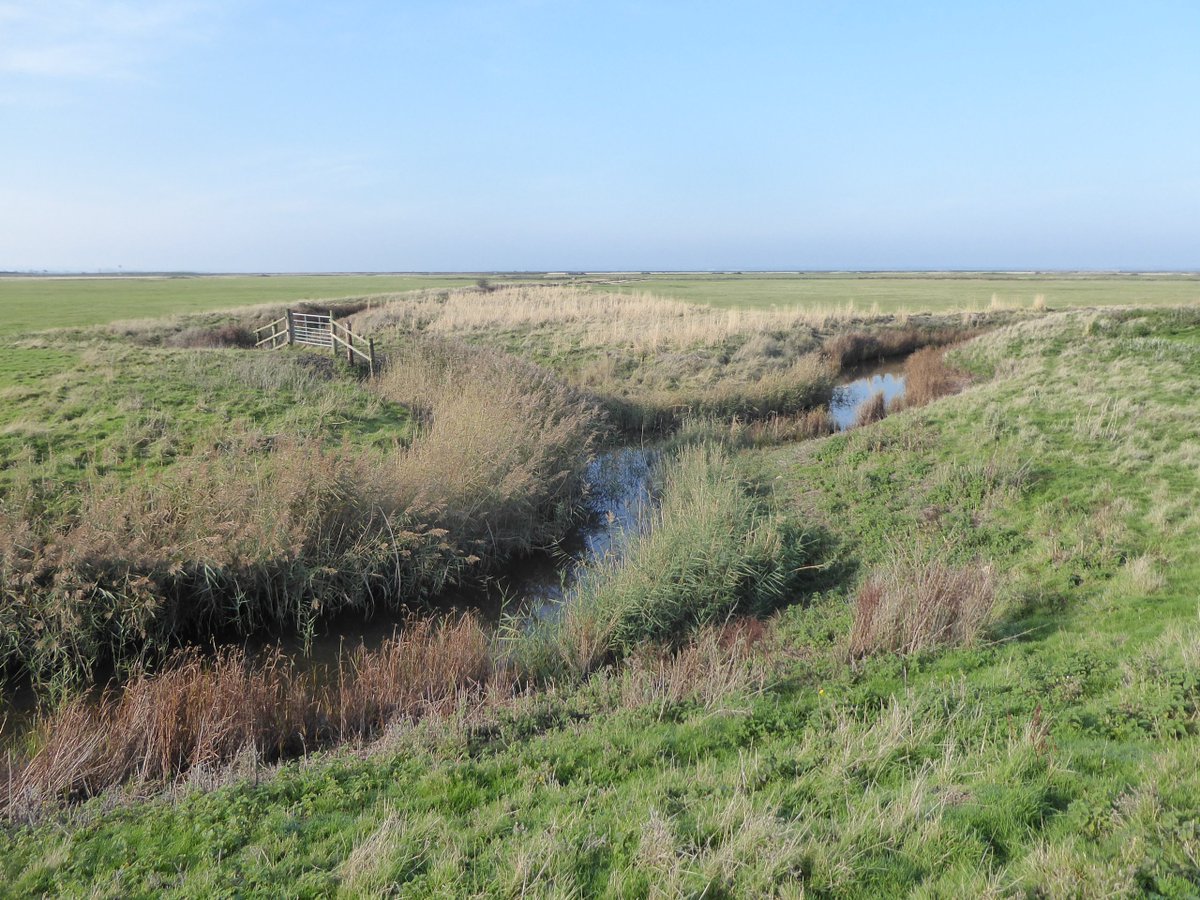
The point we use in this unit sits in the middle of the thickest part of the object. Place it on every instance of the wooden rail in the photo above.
(317, 330)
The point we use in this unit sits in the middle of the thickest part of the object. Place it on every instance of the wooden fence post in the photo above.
(291, 328)
(371, 347)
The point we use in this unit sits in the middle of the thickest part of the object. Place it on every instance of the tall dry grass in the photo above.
(851, 348)
(927, 376)
(873, 409)
(652, 362)
(200, 716)
(914, 604)
(197, 712)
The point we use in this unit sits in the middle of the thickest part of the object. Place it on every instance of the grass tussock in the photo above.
(710, 551)
(913, 605)
(873, 409)
(927, 376)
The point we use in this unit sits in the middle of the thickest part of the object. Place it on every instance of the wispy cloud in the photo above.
(77, 39)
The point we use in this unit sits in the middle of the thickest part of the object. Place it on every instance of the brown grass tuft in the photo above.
(207, 713)
(873, 409)
(927, 377)
(912, 605)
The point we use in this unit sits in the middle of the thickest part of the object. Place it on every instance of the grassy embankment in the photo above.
(836, 751)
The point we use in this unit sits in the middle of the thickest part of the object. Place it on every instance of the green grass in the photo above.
(1059, 757)
(918, 292)
(32, 304)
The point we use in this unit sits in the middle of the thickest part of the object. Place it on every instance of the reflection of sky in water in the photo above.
(620, 483)
(847, 397)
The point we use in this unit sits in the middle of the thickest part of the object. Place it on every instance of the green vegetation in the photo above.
(35, 303)
(887, 292)
(154, 494)
(985, 680)
(708, 552)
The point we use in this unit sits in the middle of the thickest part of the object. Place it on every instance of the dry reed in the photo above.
(207, 713)
(913, 605)
(927, 377)
(873, 409)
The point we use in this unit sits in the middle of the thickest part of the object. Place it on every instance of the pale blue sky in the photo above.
(544, 134)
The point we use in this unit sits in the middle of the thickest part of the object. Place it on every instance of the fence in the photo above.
(317, 330)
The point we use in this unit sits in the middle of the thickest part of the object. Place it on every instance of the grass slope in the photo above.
(1059, 757)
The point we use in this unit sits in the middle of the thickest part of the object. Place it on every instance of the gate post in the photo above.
(291, 328)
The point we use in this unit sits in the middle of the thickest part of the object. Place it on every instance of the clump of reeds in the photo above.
(204, 713)
(851, 348)
(927, 376)
(914, 604)
(710, 551)
(873, 409)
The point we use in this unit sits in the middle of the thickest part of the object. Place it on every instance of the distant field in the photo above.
(916, 292)
(29, 304)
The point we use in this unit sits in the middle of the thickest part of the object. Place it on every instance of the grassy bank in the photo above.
(1050, 749)
(157, 494)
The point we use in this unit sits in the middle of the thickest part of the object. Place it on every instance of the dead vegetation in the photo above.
(207, 713)
(913, 605)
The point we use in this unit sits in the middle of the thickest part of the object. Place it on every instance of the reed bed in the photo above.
(852, 348)
(207, 712)
(927, 376)
(242, 538)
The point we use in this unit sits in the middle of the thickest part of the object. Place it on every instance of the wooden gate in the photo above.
(317, 330)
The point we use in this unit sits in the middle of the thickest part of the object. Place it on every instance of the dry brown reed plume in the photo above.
(873, 409)
(927, 377)
(912, 605)
(197, 712)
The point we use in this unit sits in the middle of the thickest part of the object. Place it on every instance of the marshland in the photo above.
(594, 588)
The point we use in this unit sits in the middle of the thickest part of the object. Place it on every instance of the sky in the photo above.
(480, 135)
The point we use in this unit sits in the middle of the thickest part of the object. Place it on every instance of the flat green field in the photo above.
(916, 292)
(33, 303)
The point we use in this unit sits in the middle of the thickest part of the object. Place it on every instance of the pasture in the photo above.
(949, 651)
